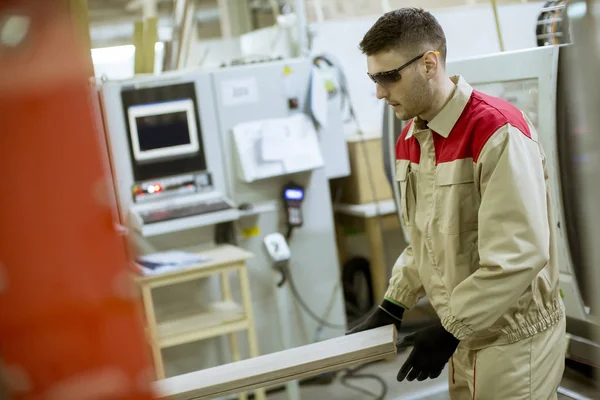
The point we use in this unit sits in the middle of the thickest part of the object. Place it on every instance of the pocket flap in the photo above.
(455, 172)
(402, 170)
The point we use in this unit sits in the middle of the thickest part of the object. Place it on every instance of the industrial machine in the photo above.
(293, 195)
(279, 96)
(234, 154)
(532, 80)
(165, 149)
(581, 144)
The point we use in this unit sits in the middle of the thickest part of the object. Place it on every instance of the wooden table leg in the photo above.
(378, 267)
(260, 394)
(151, 323)
(233, 340)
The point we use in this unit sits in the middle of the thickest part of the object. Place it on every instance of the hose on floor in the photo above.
(353, 373)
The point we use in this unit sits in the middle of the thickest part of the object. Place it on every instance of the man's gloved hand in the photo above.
(386, 313)
(433, 347)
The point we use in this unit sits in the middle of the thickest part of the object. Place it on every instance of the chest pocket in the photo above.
(407, 184)
(456, 197)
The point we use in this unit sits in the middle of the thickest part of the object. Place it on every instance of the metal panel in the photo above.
(117, 130)
(314, 263)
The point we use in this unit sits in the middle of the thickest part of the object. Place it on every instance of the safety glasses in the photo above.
(388, 77)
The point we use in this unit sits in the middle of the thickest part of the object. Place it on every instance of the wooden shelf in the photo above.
(218, 258)
(187, 322)
(367, 210)
(189, 326)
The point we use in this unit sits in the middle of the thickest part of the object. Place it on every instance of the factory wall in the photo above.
(341, 39)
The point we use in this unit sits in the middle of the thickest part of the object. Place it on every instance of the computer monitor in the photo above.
(163, 130)
(165, 124)
(165, 152)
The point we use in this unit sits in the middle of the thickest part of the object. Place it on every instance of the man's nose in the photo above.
(380, 91)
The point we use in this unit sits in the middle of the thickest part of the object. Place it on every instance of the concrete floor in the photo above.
(428, 390)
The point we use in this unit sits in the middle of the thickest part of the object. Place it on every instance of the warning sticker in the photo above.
(250, 232)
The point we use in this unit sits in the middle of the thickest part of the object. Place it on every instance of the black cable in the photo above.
(284, 269)
(353, 374)
(288, 234)
(328, 59)
(344, 382)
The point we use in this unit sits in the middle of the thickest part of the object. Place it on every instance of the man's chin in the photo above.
(402, 115)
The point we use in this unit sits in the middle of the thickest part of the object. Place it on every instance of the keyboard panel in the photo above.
(188, 210)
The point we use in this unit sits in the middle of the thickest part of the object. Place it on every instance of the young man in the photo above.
(476, 204)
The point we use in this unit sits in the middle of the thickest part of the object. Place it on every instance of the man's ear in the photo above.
(432, 62)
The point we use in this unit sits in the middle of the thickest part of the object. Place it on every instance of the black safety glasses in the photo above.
(392, 76)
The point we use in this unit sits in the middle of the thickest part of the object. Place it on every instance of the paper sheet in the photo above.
(275, 141)
(304, 151)
(158, 263)
(274, 147)
(252, 166)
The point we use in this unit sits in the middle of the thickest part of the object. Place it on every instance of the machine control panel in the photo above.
(187, 210)
(172, 186)
(293, 195)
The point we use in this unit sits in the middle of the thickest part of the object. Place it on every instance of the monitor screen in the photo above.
(162, 130)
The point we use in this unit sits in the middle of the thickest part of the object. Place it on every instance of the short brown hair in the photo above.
(407, 28)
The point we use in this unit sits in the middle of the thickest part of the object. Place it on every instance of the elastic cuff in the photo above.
(395, 302)
(450, 337)
(457, 328)
(401, 296)
(392, 309)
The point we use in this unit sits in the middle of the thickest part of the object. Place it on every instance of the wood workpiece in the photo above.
(292, 364)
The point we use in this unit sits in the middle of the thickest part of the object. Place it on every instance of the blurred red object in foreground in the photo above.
(70, 322)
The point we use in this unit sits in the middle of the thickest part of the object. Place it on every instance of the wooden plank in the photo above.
(377, 254)
(367, 210)
(187, 34)
(138, 42)
(150, 38)
(79, 10)
(271, 369)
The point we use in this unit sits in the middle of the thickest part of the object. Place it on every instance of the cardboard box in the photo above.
(367, 173)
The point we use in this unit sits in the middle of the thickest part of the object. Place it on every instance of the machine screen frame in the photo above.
(153, 109)
(139, 95)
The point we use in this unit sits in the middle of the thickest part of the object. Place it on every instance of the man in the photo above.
(476, 204)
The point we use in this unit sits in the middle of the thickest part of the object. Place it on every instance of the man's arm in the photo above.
(404, 291)
(514, 236)
(405, 287)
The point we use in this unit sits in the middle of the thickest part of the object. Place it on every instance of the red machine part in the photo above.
(71, 326)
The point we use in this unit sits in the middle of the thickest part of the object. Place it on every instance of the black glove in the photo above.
(387, 313)
(433, 347)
